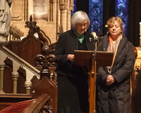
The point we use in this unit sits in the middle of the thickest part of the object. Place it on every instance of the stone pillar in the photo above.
(15, 76)
(1, 78)
(26, 10)
(50, 12)
(63, 16)
(28, 87)
(3, 56)
(69, 16)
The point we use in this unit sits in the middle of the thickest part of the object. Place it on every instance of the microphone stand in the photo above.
(92, 89)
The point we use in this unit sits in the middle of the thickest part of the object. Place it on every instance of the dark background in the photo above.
(109, 11)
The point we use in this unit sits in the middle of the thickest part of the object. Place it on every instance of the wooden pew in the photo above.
(40, 104)
(43, 96)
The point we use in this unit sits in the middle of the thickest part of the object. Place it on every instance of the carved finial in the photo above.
(45, 71)
(45, 62)
(31, 25)
(30, 18)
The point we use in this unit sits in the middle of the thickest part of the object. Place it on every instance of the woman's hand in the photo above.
(110, 80)
(70, 57)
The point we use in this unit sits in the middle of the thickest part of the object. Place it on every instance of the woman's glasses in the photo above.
(82, 25)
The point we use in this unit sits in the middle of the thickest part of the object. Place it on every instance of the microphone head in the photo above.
(94, 35)
(96, 38)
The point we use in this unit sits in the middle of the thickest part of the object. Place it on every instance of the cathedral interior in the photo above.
(29, 30)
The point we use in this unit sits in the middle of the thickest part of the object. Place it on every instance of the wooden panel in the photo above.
(46, 86)
(30, 48)
(8, 99)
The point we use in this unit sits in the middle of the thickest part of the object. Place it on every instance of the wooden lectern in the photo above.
(92, 60)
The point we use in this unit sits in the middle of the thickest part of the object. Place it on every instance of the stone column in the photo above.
(25, 10)
(69, 16)
(28, 87)
(15, 76)
(1, 78)
(63, 15)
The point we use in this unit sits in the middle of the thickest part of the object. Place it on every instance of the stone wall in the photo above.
(52, 16)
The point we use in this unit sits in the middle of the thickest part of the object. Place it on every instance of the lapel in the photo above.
(105, 42)
(73, 41)
(121, 46)
(89, 41)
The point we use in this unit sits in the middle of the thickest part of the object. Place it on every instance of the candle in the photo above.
(140, 33)
(140, 28)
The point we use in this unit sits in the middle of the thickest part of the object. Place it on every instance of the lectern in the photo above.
(92, 60)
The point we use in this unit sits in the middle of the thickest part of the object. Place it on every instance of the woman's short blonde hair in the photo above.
(111, 21)
(79, 17)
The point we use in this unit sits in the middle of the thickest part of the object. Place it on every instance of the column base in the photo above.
(2, 92)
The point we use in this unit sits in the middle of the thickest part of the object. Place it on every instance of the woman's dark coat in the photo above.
(72, 79)
(115, 98)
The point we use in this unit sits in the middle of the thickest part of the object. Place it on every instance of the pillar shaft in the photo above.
(15, 76)
(1, 78)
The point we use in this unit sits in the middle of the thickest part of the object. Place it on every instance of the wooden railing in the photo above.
(17, 63)
(35, 86)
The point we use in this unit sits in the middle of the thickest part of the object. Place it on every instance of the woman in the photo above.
(72, 79)
(113, 83)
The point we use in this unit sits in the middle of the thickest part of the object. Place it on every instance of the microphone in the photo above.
(96, 38)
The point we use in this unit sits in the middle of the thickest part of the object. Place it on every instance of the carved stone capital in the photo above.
(28, 85)
(63, 6)
(15, 76)
(52, 1)
(2, 67)
(71, 7)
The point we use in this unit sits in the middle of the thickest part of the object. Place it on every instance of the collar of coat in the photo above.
(122, 44)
